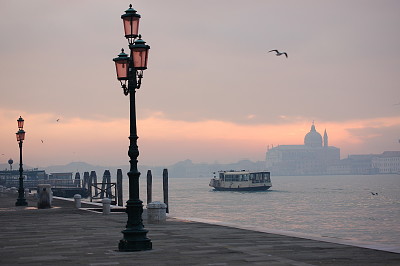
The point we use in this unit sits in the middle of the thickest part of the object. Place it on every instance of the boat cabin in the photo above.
(254, 177)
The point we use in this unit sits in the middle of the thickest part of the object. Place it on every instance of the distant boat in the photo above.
(241, 181)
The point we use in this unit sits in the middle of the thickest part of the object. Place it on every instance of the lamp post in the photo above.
(130, 73)
(21, 201)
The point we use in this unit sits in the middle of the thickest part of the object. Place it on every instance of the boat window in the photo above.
(266, 177)
(221, 176)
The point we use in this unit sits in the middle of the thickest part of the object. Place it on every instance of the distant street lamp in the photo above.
(21, 201)
(130, 74)
(10, 162)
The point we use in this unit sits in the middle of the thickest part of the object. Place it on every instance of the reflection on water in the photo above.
(334, 206)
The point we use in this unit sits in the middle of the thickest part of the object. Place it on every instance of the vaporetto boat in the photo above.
(241, 181)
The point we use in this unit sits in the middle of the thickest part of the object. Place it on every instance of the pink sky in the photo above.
(163, 141)
(212, 91)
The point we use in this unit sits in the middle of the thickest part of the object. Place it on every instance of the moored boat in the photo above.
(241, 181)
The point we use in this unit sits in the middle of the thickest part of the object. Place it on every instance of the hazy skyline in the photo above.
(211, 92)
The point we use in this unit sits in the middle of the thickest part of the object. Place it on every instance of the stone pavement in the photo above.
(64, 235)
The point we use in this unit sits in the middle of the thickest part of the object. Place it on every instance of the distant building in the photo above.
(10, 178)
(387, 163)
(66, 176)
(28, 174)
(312, 158)
(354, 165)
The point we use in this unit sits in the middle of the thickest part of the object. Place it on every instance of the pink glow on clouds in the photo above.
(163, 141)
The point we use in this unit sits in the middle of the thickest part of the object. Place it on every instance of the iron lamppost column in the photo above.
(130, 73)
(21, 201)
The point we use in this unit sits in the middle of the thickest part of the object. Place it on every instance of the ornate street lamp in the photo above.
(131, 24)
(21, 201)
(130, 73)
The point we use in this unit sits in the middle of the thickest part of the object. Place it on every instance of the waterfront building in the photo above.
(10, 178)
(312, 158)
(387, 163)
(61, 176)
(28, 174)
(359, 164)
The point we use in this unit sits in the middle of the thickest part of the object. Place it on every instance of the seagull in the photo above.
(58, 119)
(42, 140)
(278, 53)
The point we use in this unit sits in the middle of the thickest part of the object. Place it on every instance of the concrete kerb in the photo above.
(374, 246)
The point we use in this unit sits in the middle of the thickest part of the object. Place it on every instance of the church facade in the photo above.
(312, 158)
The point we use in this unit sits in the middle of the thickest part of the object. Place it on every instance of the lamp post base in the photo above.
(134, 240)
(21, 202)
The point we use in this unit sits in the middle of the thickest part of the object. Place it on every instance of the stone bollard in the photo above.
(77, 199)
(156, 212)
(106, 206)
(44, 196)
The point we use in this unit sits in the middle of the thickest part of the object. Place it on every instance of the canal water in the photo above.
(359, 209)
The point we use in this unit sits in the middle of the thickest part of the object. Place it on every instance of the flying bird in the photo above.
(278, 53)
(41, 140)
(58, 119)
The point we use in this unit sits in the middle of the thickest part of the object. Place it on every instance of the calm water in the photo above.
(340, 207)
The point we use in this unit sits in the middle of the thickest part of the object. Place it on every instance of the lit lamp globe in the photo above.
(20, 135)
(122, 65)
(20, 121)
(140, 53)
(131, 23)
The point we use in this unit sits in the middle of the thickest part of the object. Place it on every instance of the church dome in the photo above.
(313, 138)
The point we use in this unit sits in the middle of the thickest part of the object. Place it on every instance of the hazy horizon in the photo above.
(211, 92)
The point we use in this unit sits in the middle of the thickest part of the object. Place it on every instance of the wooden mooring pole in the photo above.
(105, 185)
(119, 188)
(149, 186)
(77, 181)
(165, 188)
(86, 180)
(93, 182)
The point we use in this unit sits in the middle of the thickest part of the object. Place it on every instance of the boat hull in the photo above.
(260, 188)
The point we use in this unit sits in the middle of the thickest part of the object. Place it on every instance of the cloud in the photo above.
(165, 141)
(210, 85)
(214, 69)
(251, 116)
